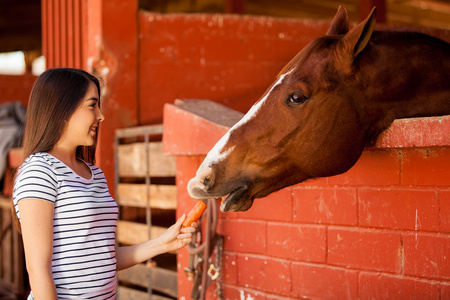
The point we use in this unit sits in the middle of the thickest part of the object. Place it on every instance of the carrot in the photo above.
(194, 214)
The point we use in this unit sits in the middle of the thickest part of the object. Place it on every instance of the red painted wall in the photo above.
(229, 59)
(379, 231)
(16, 88)
(225, 58)
(152, 59)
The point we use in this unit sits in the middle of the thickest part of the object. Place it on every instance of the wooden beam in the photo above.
(131, 233)
(162, 280)
(132, 158)
(161, 196)
(128, 293)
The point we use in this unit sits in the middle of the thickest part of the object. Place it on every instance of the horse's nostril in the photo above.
(207, 180)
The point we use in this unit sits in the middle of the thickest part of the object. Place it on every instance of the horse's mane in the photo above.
(390, 35)
(320, 43)
(379, 36)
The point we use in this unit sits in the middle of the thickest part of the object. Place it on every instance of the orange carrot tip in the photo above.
(194, 214)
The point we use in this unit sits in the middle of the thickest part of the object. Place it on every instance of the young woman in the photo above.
(67, 217)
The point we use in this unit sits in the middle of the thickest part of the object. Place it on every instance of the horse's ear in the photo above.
(339, 25)
(357, 38)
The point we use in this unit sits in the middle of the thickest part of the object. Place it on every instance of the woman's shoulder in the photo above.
(39, 158)
(41, 161)
(38, 168)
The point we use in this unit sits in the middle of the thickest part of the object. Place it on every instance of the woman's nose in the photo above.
(100, 116)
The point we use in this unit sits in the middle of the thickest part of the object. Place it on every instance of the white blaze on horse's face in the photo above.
(217, 153)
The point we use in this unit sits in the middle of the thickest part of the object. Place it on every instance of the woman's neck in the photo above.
(67, 156)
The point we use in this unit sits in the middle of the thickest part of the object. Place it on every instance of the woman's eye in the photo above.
(296, 98)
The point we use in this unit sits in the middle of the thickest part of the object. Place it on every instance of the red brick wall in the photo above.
(379, 231)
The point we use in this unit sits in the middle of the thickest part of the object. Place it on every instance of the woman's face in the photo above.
(82, 127)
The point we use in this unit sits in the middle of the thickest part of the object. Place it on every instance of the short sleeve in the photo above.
(36, 179)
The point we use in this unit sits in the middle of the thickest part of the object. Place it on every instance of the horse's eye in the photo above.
(296, 98)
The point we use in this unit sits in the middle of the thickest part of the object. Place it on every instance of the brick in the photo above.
(184, 285)
(399, 209)
(387, 287)
(244, 235)
(374, 168)
(364, 249)
(426, 167)
(314, 182)
(427, 255)
(445, 290)
(274, 297)
(232, 292)
(325, 206)
(265, 274)
(297, 242)
(229, 275)
(323, 282)
(444, 200)
(275, 207)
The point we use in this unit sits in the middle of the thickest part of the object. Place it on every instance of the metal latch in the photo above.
(213, 272)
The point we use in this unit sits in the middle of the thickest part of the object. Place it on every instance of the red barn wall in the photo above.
(379, 231)
(229, 59)
(155, 59)
(149, 59)
(225, 58)
(16, 88)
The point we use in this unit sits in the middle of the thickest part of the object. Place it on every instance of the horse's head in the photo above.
(305, 126)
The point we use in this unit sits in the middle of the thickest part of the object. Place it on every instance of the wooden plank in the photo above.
(6, 249)
(139, 131)
(162, 280)
(132, 161)
(12, 268)
(132, 233)
(161, 196)
(125, 293)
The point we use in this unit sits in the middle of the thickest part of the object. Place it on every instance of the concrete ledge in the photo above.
(416, 132)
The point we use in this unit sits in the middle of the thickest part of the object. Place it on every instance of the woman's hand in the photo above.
(177, 236)
(173, 239)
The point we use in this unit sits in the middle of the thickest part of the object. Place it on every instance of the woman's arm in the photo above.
(174, 238)
(36, 219)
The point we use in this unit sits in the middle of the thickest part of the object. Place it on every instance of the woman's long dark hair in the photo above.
(56, 95)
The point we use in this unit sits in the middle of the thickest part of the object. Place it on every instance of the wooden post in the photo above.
(63, 25)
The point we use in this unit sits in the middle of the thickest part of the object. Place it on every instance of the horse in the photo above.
(328, 103)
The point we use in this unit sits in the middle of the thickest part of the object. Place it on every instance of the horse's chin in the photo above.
(238, 200)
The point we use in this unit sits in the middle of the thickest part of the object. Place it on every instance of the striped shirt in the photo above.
(84, 225)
